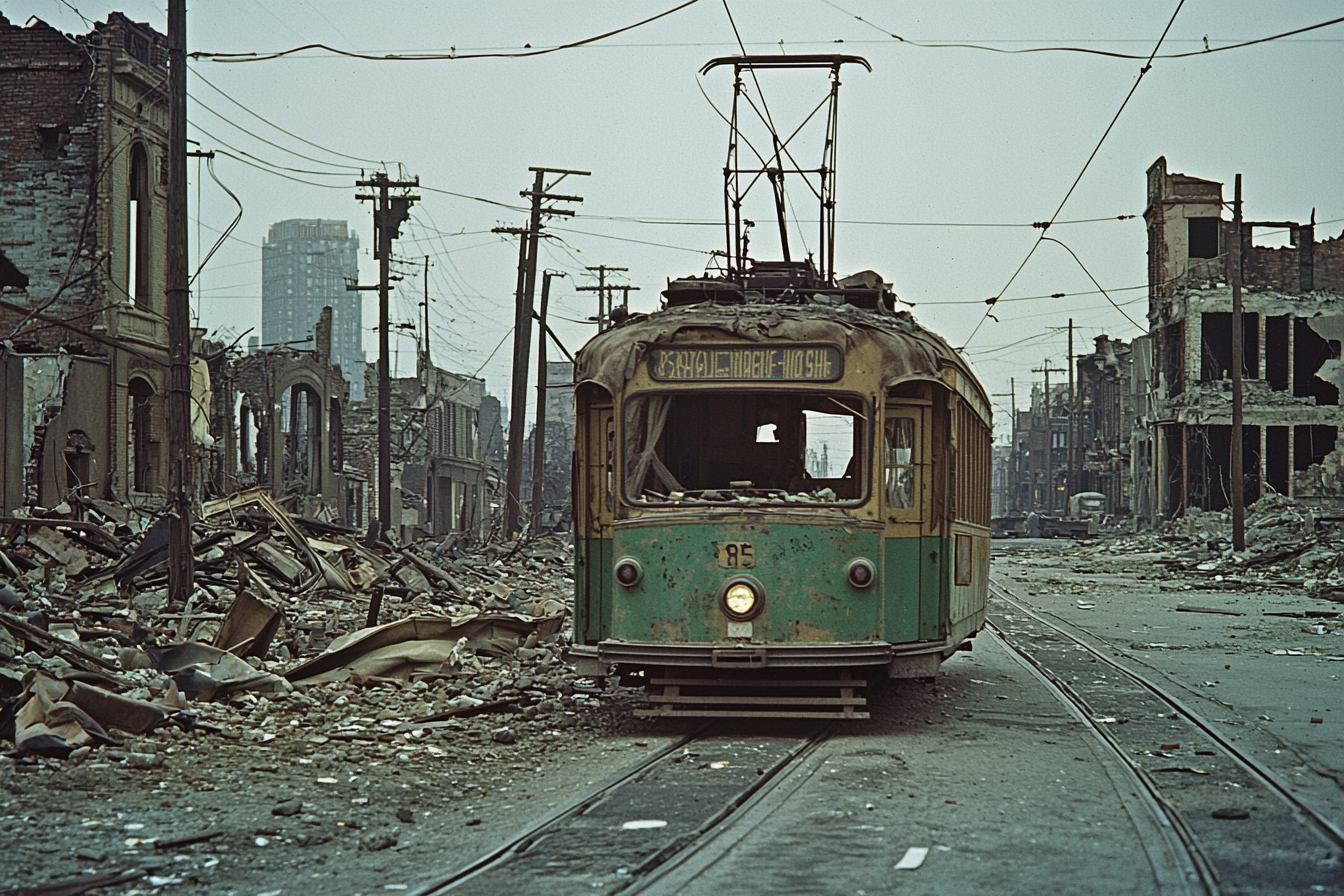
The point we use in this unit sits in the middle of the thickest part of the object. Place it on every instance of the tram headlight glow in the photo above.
(742, 598)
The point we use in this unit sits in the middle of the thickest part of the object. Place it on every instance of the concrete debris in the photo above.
(291, 618)
(1288, 545)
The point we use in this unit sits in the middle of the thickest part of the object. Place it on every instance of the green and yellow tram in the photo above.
(777, 479)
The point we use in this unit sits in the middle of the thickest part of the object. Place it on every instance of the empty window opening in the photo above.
(137, 229)
(704, 447)
(1310, 351)
(247, 438)
(1276, 352)
(78, 462)
(301, 423)
(51, 139)
(10, 275)
(1311, 444)
(1270, 237)
(336, 435)
(1210, 475)
(1216, 338)
(144, 449)
(1276, 458)
(1203, 236)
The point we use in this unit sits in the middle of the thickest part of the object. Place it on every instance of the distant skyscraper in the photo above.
(305, 263)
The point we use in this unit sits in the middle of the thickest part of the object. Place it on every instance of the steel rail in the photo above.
(1159, 807)
(1252, 766)
(748, 797)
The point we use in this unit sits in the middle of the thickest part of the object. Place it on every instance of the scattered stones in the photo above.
(287, 808)
(377, 841)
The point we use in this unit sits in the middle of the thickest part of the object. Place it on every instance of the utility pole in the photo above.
(388, 215)
(1238, 474)
(1071, 479)
(604, 294)
(1046, 369)
(522, 330)
(426, 359)
(1010, 487)
(539, 429)
(181, 562)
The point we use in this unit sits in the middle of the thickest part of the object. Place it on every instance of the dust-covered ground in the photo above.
(380, 810)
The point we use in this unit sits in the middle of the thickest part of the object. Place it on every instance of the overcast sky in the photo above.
(936, 145)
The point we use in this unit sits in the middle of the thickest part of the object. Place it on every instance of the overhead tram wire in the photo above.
(426, 57)
(990, 302)
(1114, 55)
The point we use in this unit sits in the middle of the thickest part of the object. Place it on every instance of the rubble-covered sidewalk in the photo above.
(315, 690)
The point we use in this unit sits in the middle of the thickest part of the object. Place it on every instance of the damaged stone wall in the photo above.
(279, 419)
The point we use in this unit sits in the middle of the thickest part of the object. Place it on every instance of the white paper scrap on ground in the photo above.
(913, 858)
(644, 824)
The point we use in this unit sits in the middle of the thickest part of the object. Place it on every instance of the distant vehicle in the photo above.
(1012, 524)
(1084, 504)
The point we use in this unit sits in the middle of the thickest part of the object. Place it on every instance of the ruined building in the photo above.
(1103, 428)
(277, 417)
(438, 472)
(83, 181)
(1293, 324)
(558, 446)
(305, 264)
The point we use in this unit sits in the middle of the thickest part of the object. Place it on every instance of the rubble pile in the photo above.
(1287, 545)
(296, 630)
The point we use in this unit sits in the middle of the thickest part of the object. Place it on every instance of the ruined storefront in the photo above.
(1293, 324)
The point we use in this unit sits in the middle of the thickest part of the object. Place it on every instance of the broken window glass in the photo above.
(745, 447)
(899, 463)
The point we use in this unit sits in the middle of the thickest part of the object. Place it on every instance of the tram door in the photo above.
(904, 488)
(594, 503)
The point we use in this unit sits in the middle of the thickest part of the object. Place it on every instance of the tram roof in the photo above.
(909, 351)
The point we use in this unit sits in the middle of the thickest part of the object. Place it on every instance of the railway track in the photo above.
(1234, 825)
(627, 832)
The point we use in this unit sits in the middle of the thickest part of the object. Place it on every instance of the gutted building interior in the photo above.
(1292, 324)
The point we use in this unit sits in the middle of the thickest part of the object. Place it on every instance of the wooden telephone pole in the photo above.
(388, 215)
(181, 562)
(522, 331)
(605, 294)
(539, 428)
(1046, 369)
(1238, 473)
(1071, 478)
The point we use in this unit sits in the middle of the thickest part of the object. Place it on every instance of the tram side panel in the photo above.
(594, 505)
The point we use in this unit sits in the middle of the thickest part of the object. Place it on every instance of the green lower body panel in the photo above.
(592, 589)
(800, 569)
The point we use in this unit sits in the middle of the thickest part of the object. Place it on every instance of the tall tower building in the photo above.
(305, 263)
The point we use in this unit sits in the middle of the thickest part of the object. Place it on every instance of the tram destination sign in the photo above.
(747, 363)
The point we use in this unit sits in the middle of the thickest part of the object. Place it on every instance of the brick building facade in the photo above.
(83, 183)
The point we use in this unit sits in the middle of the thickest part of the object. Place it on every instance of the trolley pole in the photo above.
(522, 331)
(388, 215)
(1238, 474)
(181, 562)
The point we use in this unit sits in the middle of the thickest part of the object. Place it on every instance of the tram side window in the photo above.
(899, 473)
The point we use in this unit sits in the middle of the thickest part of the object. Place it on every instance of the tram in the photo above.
(781, 490)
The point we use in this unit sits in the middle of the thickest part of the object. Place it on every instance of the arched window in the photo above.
(144, 449)
(137, 229)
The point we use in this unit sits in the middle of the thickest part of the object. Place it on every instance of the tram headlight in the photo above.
(742, 599)
(629, 572)
(860, 572)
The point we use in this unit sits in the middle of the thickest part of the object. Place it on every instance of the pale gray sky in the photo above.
(932, 137)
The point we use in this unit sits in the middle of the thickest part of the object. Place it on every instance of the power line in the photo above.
(277, 127)
(1034, 246)
(1206, 51)
(424, 57)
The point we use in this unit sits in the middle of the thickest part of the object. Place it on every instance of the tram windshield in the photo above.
(746, 447)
